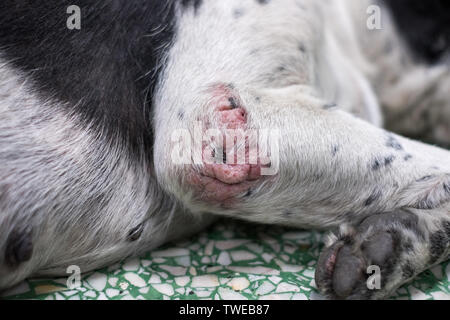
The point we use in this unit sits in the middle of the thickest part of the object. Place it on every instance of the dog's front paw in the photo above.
(371, 260)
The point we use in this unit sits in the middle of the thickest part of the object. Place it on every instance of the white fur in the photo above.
(319, 188)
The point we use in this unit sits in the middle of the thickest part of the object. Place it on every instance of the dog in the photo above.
(115, 119)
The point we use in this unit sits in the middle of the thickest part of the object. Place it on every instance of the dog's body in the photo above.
(87, 122)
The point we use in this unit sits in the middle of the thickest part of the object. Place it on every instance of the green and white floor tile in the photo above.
(231, 260)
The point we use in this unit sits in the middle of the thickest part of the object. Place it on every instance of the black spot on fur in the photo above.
(233, 103)
(192, 3)
(426, 178)
(446, 228)
(380, 163)
(237, 13)
(446, 187)
(388, 160)
(392, 142)
(376, 164)
(376, 195)
(335, 150)
(180, 115)
(407, 271)
(329, 106)
(249, 193)
(411, 222)
(439, 242)
(425, 204)
(407, 245)
(407, 157)
(302, 47)
(135, 233)
(317, 176)
(19, 247)
(263, 1)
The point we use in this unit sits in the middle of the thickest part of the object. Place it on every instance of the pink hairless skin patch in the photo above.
(222, 179)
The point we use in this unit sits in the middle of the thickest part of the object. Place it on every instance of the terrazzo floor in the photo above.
(231, 260)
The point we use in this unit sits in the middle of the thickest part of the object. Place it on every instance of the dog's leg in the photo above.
(333, 169)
